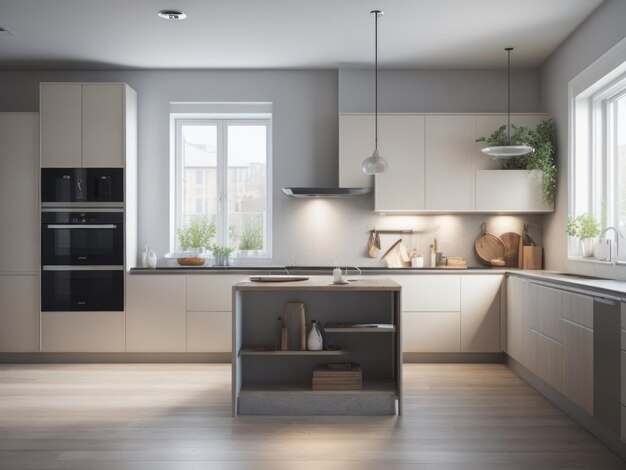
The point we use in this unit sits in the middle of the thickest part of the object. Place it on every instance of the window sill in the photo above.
(583, 259)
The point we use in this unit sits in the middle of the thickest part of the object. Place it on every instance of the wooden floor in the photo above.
(177, 416)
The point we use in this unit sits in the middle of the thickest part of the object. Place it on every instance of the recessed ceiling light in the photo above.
(172, 15)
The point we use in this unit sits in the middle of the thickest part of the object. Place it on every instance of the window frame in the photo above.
(590, 96)
(222, 121)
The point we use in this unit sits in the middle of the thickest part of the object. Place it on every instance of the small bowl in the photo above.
(191, 261)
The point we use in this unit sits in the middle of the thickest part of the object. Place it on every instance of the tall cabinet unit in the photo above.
(91, 125)
(19, 210)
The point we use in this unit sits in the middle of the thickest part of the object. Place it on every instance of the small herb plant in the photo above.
(221, 251)
(582, 227)
(542, 139)
(198, 234)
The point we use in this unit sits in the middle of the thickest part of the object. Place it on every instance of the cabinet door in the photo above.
(19, 188)
(546, 308)
(431, 332)
(356, 143)
(510, 191)
(514, 318)
(210, 292)
(19, 313)
(82, 331)
(480, 313)
(547, 359)
(578, 365)
(449, 171)
(60, 120)
(401, 142)
(209, 331)
(577, 308)
(103, 125)
(430, 293)
(156, 317)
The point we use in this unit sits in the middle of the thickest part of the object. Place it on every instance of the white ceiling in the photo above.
(433, 34)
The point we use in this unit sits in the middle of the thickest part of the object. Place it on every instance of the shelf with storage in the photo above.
(271, 382)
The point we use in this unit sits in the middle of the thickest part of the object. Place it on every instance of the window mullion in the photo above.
(222, 185)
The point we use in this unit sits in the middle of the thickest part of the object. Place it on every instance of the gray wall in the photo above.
(601, 31)
(438, 91)
(305, 105)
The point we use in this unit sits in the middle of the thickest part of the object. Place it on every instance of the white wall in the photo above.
(305, 143)
(602, 30)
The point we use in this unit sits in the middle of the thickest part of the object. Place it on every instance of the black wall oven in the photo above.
(66, 187)
(82, 239)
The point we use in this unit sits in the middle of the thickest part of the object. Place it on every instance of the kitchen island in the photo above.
(270, 381)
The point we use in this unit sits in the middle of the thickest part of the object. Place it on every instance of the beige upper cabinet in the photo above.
(449, 172)
(401, 142)
(61, 126)
(83, 125)
(103, 125)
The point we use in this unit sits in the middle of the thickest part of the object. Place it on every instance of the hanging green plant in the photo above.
(542, 139)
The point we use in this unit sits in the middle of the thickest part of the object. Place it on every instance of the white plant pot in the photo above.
(587, 247)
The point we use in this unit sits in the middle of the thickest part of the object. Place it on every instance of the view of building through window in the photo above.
(224, 178)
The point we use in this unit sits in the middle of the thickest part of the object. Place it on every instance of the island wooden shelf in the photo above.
(258, 352)
(263, 384)
(360, 330)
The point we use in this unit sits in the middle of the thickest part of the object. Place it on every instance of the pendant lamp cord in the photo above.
(508, 91)
(376, 12)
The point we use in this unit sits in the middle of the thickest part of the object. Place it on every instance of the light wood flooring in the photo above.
(177, 416)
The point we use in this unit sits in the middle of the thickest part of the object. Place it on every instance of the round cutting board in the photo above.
(489, 247)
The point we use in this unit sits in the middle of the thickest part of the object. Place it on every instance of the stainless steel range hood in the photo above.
(325, 192)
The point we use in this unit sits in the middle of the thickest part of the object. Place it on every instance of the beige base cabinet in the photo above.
(480, 313)
(82, 332)
(546, 359)
(209, 307)
(156, 314)
(431, 332)
(19, 313)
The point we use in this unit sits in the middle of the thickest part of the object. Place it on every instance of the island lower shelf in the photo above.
(377, 397)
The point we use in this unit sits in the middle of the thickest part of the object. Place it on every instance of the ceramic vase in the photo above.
(587, 247)
(314, 340)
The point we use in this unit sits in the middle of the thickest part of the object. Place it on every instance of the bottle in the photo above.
(314, 340)
(144, 257)
(152, 259)
(337, 276)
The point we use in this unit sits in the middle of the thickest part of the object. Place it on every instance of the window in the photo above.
(598, 144)
(221, 168)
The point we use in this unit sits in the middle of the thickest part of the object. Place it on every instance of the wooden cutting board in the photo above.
(511, 242)
(277, 278)
(488, 247)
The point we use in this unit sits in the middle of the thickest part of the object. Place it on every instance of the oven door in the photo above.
(77, 288)
(81, 186)
(78, 244)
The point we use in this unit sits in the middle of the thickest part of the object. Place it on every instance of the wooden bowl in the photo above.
(191, 261)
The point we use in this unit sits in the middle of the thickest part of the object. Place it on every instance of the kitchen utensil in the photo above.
(373, 244)
(526, 238)
(488, 246)
(532, 257)
(277, 278)
(393, 257)
(296, 326)
(511, 248)
(456, 262)
(497, 263)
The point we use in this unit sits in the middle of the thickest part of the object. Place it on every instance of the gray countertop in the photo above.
(591, 284)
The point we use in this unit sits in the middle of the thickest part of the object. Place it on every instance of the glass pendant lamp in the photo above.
(505, 152)
(375, 163)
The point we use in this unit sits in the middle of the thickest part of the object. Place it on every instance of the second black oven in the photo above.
(82, 238)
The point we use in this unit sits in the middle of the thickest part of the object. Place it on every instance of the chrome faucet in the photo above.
(618, 235)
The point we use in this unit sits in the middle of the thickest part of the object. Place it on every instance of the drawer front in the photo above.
(548, 359)
(430, 293)
(431, 332)
(623, 340)
(545, 311)
(82, 332)
(211, 292)
(209, 331)
(578, 308)
(623, 376)
(623, 306)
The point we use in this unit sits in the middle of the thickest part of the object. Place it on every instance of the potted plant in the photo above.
(196, 237)
(585, 227)
(543, 158)
(221, 255)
